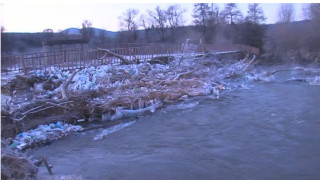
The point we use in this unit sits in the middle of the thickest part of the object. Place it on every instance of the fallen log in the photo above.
(48, 165)
(123, 113)
(31, 80)
(180, 60)
(253, 58)
(183, 74)
(161, 60)
(123, 59)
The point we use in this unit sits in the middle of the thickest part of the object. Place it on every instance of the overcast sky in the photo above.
(35, 16)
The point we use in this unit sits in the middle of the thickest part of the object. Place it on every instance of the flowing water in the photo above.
(261, 130)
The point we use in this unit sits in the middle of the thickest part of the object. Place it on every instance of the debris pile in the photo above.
(111, 92)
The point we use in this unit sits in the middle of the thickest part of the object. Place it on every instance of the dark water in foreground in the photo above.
(270, 131)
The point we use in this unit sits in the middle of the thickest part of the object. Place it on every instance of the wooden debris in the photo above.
(64, 86)
(180, 75)
(48, 165)
(124, 60)
(132, 90)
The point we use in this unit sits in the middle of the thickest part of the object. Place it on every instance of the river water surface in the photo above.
(267, 130)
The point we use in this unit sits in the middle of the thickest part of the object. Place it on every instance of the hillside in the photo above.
(96, 31)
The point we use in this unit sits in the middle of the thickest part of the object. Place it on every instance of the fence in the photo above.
(229, 47)
(82, 57)
(69, 59)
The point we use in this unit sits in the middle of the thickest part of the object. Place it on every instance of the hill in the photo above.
(96, 32)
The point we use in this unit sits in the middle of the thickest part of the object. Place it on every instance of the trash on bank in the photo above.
(43, 133)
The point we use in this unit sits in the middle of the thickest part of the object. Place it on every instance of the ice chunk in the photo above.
(113, 129)
(315, 81)
(21, 146)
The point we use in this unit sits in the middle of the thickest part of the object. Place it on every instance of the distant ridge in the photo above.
(97, 32)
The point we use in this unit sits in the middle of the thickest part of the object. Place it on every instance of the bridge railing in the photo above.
(81, 58)
(230, 47)
(69, 59)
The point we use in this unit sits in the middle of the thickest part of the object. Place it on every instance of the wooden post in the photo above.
(65, 55)
(6, 65)
(48, 166)
(23, 65)
(11, 63)
(67, 59)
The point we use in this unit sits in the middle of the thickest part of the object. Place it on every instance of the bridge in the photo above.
(68, 59)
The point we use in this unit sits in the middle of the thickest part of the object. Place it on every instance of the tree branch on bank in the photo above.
(65, 85)
(183, 74)
(123, 59)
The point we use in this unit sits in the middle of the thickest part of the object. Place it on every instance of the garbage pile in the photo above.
(106, 90)
(111, 92)
(44, 133)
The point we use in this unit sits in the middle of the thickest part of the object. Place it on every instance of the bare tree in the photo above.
(255, 14)
(175, 19)
(47, 34)
(306, 11)
(175, 15)
(102, 37)
(213, 15)
(286, 13)
(216, 13)
(128, 23)
(86, 30)
(206, 18)
(312, 12)
(200, 15)
(232, 12)
(146, 23)
(315, 12)
(128, 20)
(159, 21)
(48, 30)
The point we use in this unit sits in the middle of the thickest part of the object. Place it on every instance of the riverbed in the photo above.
(256, 130)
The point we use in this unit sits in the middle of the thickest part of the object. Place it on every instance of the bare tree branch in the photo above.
(123, 59)
(65, 85)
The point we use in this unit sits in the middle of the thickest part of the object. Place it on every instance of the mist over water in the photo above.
(256, 130)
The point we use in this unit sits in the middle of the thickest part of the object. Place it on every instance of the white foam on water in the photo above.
(111, 130)
(187, 105)
(315, 81)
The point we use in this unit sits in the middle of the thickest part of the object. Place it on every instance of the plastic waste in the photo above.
(20, 135)
(51, 125)
(21, 146)
(43, 133)
(14, 145)
(58, 125)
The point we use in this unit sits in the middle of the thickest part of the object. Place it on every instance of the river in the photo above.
(260, 130)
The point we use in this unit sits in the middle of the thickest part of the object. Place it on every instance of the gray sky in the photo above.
(35, 16)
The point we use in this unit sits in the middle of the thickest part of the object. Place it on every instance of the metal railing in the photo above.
(69, 59)
(80, 58)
